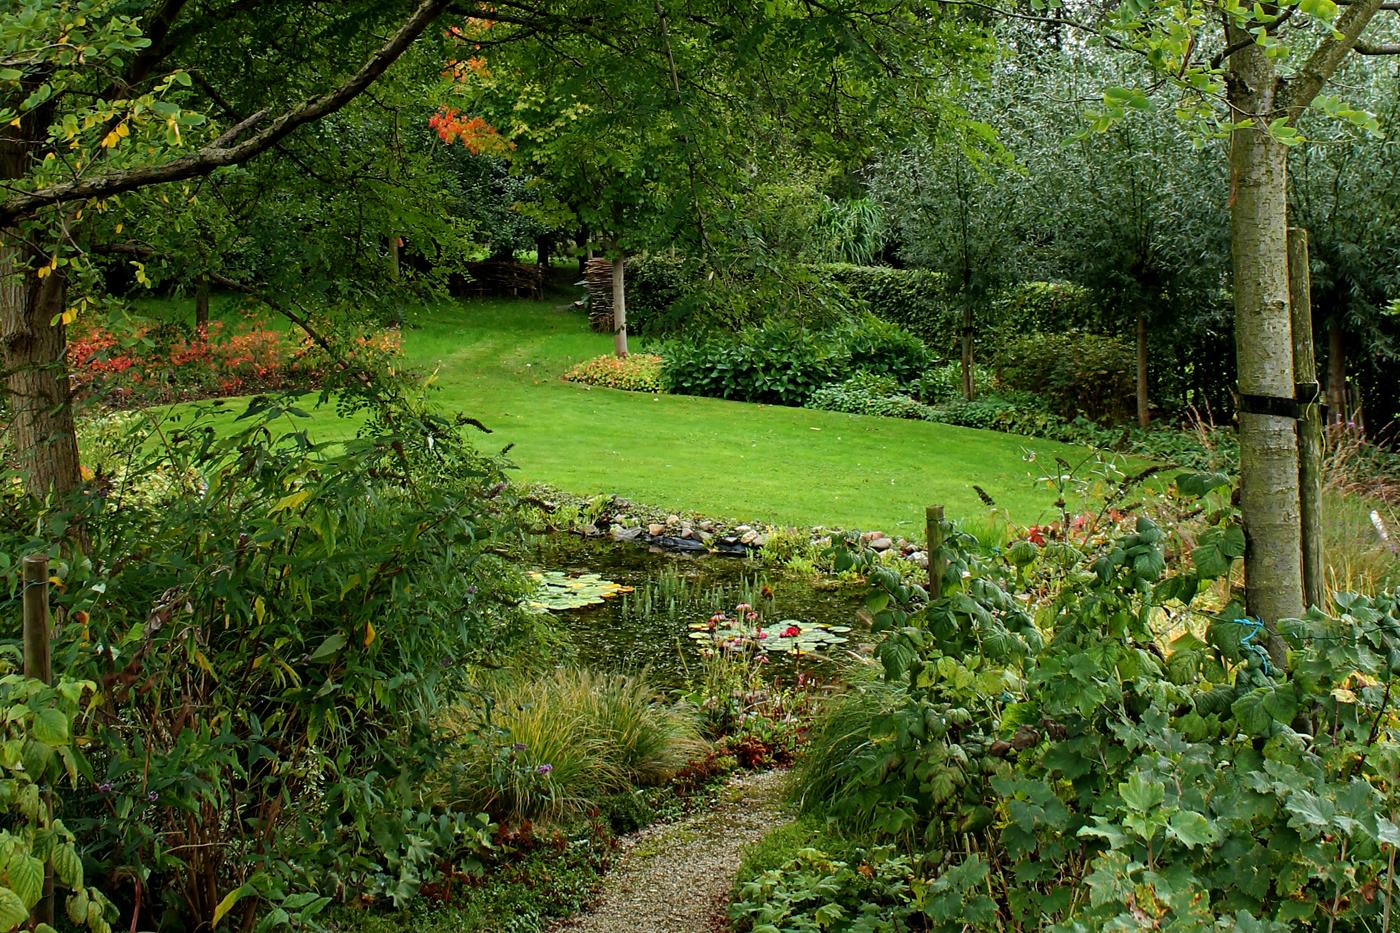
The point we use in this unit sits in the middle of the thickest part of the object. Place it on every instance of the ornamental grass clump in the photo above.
(553, 748)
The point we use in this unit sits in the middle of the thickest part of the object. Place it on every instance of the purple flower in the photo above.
(105, 787)
(544, 769)
(153, 796)
(519, 746)
(471, 590)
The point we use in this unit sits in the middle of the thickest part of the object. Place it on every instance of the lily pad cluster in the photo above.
(557, 591)
(790, 636)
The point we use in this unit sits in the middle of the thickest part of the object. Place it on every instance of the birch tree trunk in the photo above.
(1263, 346)
(619, 309)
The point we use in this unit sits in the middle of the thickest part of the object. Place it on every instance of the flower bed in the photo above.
(150, 364)
(639, 372)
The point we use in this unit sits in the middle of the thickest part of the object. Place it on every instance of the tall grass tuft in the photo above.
(554, 747)
(841, 746)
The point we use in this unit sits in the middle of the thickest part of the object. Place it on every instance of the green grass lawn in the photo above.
(500, 361)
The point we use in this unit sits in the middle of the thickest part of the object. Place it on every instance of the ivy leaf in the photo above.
(1192, 829)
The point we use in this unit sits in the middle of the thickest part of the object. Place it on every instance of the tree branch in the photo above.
(224, 151)
(1327, 57)
(1381, 48)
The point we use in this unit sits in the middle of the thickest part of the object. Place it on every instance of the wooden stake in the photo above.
(933, 527)
(39, 665)
(1310, 417)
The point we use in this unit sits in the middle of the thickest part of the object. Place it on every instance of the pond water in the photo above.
(649, 627)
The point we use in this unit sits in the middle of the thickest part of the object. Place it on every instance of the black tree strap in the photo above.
(1306, 393)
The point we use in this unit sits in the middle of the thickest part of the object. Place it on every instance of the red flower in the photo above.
(791, 631)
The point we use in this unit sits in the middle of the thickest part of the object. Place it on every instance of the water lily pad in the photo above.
(557, 591)
(790, 636)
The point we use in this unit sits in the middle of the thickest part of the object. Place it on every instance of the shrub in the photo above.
(877, 346)
(784, 364)
(638, 372)
(1015, 414)
(557, 747)
(1075, 373)
(277, 622)
(779, 364)
(1072, 751)
(913, 299)
(943, 383)
(863, 394)
(1041, 308)
(655, 283)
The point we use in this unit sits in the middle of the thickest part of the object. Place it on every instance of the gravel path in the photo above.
(676, 878)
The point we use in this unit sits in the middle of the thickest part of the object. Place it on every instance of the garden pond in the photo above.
(652, 609)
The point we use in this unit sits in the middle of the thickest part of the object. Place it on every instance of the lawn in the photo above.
(500, 361)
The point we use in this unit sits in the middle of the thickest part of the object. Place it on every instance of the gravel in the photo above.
(676, 878)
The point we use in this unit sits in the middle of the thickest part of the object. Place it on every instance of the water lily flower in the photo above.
(791, 631)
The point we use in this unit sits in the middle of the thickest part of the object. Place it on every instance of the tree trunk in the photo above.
(1336, 370)
(201, 308)
(1264, 348)
(619, 308)
(1310, 423)
(32, 335)
(395, 246)
(1144, 414)
(969, 384)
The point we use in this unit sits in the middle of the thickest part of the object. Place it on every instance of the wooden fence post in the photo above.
(38, 664)
(1309, 417)
(933, 528)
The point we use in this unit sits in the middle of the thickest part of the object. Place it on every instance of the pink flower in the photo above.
(791, 631)
(743, 607)
(762, 633)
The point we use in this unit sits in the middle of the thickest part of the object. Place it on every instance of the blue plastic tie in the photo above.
(1255, 626)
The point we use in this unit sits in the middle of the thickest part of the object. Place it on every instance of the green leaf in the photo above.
(50, 726)
(25, 874)
(1250, 713)
(328, 648)
(1192, 828)
(230, 899)
(1140, 794)
(12, 910)
(68, 866)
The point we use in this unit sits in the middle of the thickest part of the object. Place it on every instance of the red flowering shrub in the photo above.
(640, 372)
(151, 365)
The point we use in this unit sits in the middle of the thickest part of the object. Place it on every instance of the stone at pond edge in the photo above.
(625, 534)
(881, 544)
(656, 529)
(685, 545)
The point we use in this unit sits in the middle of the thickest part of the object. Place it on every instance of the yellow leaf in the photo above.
(119, 228)
(369, 634)
(203, 663)
(292, 501)
(83, 471)
(260, 609)
(110, 140)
